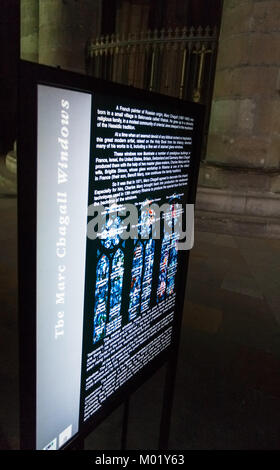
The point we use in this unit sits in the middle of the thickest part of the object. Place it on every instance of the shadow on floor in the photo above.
(227, 392)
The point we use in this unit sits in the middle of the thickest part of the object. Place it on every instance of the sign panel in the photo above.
(62, 164)
(114, 170)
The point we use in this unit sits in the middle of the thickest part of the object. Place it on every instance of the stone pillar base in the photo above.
(237, 224)
(11, 160)
(243, 201)
(8, 180)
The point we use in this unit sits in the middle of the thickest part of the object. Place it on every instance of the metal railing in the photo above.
(179, 62)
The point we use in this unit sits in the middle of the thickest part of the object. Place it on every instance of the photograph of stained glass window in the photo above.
(169, 252)
(101, 298)
(109, 278)
(143, 260)
(110, 269)
(148, 273)
(136, 278)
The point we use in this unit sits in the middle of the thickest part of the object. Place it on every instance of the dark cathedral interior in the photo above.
(223, 54)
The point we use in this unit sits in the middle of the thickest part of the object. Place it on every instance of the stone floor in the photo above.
(228, 382)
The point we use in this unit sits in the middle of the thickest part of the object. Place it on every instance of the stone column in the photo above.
(240, 179)
(29, 25)
(64, 28)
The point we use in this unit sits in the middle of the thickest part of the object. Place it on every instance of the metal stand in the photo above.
(125, 424)
(168, 395)
(79, 444)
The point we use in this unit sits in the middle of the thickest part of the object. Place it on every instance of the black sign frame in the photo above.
(30, 75)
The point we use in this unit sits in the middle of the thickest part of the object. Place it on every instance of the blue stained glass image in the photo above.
(148, 273)
(169, 256)
(101, 298)
(136, 274)
(116, 285)
(110, 235)
(108, 290)
(172, 265)
(147, 220)
(164, 258)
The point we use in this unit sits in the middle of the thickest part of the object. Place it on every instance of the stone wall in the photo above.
(132, 16)
(239, 183)
(243, 153)
(54, 32)
(29, 30)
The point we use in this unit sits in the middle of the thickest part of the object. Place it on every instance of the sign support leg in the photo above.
(125, 424)
(79, 444)
(167, 403)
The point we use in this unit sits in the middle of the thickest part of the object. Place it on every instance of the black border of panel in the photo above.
(30, 75)
(27, 220)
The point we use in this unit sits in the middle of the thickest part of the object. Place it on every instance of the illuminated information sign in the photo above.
(107, 259)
